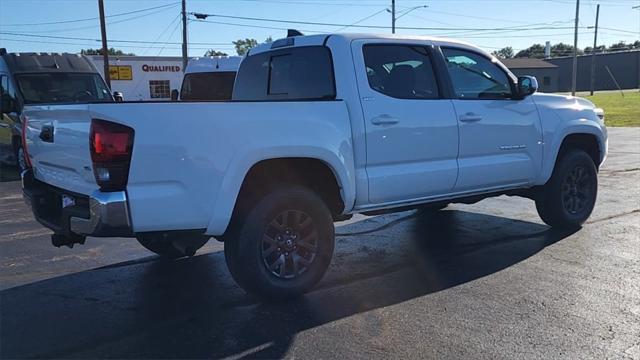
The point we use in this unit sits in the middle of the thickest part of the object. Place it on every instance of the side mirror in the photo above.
(8, 104)
(175, 94)
(118, 96)
(527, 85)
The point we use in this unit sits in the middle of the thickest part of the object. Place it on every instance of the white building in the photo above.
(143, 77)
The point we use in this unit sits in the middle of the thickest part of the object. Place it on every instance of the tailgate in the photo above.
(57, 139)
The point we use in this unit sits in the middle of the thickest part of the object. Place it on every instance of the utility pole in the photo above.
(574, 75)
(184, 35)
(593, 52)
(105, 49)
(393, 16)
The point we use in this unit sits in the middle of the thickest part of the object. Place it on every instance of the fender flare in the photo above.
(341, 165)
(578, 126)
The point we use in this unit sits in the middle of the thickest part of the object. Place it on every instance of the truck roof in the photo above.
(310, 40)
(47, 62)
(213, 64)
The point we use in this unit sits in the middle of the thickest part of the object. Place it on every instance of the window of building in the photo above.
(546, 80)
(160, 89)
(475, 76)
(400, 71)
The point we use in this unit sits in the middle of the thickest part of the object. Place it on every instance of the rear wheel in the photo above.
(569, 196)
(172, 246)
(20, 159)
(282, 247)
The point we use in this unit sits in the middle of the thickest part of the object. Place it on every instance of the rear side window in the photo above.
(302, 73)
(400, 71)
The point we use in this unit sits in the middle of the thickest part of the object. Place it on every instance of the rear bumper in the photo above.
(102, 214)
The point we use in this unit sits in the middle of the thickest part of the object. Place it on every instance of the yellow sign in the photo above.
(113, 72)
(121, 72)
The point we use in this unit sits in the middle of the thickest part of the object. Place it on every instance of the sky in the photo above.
(71, 25)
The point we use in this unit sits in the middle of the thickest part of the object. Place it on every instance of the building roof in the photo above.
(527, 63)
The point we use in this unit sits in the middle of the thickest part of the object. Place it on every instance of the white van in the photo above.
(209, 78)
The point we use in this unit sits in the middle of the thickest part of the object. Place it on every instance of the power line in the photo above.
(110, 40)
(225, 47)
(94, 26)
(369, 26)
(93, 18)
(361, 20)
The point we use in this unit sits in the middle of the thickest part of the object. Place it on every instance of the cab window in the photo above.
(208, 86)
(299, 73)
(400, 71)
(7, 90)
(475, 76)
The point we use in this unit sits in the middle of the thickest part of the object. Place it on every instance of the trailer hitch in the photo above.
(59, 240)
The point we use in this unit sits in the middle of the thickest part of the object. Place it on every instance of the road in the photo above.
(488, 280)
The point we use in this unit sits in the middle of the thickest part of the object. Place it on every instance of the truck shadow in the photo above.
(9, 173)
(192, 308)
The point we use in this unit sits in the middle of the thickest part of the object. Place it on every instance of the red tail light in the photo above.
(25, 122)
(111, 146)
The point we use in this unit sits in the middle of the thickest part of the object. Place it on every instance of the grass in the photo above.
(618, 110)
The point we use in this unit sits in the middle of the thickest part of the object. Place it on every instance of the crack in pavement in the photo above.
(619, 171)
(613, 216)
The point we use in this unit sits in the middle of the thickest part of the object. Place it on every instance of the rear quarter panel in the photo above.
(189, 159)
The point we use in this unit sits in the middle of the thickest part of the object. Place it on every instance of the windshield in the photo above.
(208, 86)
(42, 88)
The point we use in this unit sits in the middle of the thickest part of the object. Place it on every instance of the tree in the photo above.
(636, 44)
(244, 45)
(599, 49)
(212, 52)
(110, 51)
(535, 51)
(620, 46)
(504, 53)
(561, 49)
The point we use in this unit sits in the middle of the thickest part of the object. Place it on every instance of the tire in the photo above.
(569, 196)
(172, 246)
(20, 159)
(283, 245)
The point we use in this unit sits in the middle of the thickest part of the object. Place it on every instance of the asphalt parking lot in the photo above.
(488, 280)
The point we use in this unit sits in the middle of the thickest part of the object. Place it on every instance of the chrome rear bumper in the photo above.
(101, 214)
(108, 215)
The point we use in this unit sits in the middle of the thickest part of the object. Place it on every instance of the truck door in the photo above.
(411, 132)
(500, 136)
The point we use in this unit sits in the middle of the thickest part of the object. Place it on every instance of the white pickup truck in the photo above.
(319, 127)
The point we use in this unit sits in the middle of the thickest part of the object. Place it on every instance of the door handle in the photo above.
(46, 134)
(470, 117)
(384, 119)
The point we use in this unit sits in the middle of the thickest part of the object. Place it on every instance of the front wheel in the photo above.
(569, 196)
(172, 246)
(282, 247)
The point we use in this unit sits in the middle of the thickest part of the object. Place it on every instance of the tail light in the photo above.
(25, 121)
(111, 146)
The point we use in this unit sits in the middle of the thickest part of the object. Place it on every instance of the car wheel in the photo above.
(283, 246)
(171, 245)
(569, 196)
